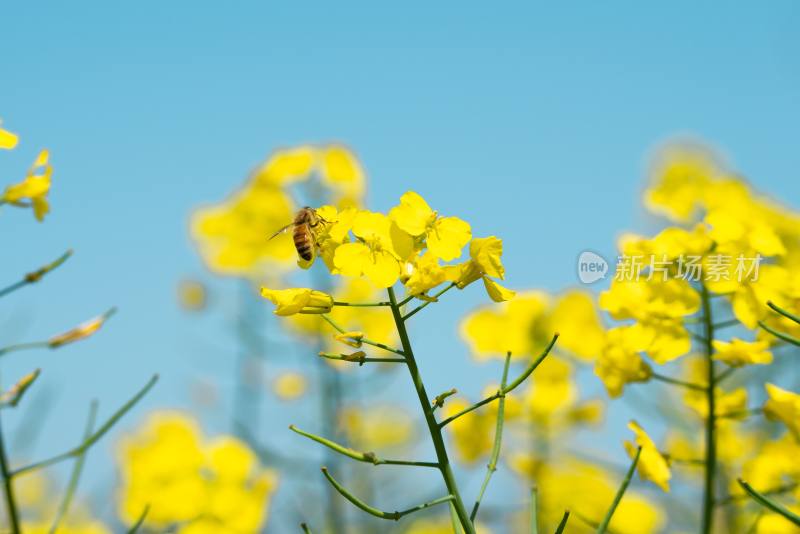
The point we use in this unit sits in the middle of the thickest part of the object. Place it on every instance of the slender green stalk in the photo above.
(25, 346)
(438, 400)
(363, 340)
(677, 382)
(36, 275)
(394, 516)
(509, 388)
(534, 511)
(139, 522)
(454, 523)
(305, 528)
(433, 426)
(91, 440)
(75, 476)
(724, 375)
(779, 490)
(740, 413)
(787, 314)
(368, 457)
(707, 524)
(498, 439)
(780, 335)
(601, 529)
(359, 358)
(563, 524)
(8, 487)
(424, 304)
(725, 324)
(768, 503)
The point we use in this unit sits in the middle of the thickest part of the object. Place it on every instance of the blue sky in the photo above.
(533, 121)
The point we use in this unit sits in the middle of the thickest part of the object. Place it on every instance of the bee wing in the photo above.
(282, 230)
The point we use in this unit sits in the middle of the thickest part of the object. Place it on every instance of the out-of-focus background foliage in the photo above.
(531, 121)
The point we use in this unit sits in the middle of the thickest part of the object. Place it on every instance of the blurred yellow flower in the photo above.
(376, 428)
(187, 481)
(551, 389)
(679, 181)
(783, 406)
(652, 465)
(473, 433)
(192, 295)
(34, 188)
(8, 140)
(737, 352)
(298, 300)
(732, 404)
(574, 316)
(619, 362)
(66, 527)
(290, 385)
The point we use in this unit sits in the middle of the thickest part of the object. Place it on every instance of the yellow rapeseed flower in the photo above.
(34, 188)
(737, 352)
(652, 465)
(485, 264)
(444, 236)
(8, 140)
(783, 406)
(619, 362)
(375, 255)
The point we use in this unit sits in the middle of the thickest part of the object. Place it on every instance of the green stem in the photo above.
(8, 486)
(711, 421)
(498, 439)
(394, 516)
(25, 346)
(36, 275)
(676, 382)
(91, 440)
(305, 528)
(361, 360)
(367, 457)
(780, 335)
(433, 299)
(75, 476)
(509, 388)
(601, 529)
(787, 314)
(725, 324)
(563, 524)
(779, 490)
(361, 305)
(766, 502)
(534, 512)
(433, 426)
(139, 522)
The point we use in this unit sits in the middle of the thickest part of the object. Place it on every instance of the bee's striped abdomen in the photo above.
(303, 241)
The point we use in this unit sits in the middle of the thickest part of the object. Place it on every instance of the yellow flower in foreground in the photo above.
(472, 433)
(290, 385)
(737, 352)
(81, 331)
(652, 465)
(298, 300)
(783, 406)
(34, 188)
(619, 362)
(8, 140)
(484, 263)
(203, 486)
(376, 255)
(444, 236)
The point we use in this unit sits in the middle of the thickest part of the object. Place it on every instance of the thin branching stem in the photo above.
(94, 438)
(361, 304)
(306, 529)
(724, 375)
(677, 382)
(789, 315)
(778, 490)
(603, 527)
(363, 340)
(393, 516)
(8, 488)
(359, 358)
(75, 475)
(367, 457)
(710, 472)
(509, 388)
(24, 346)
(563, 524)
(725, 324)
(430, 419)
(768, 503)
(780, 335)
(534, 519)
(36, 275)
(139, 522)
(498, 440)
(422, 306)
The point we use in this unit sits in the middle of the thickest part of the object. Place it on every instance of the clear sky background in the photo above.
(533, 121)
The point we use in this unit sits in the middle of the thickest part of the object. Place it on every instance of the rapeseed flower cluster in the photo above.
(189, 483)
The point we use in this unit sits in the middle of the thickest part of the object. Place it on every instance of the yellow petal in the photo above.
(448, 237)
(413, 215)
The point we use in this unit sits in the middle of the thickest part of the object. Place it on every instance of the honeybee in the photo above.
(303, 234)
